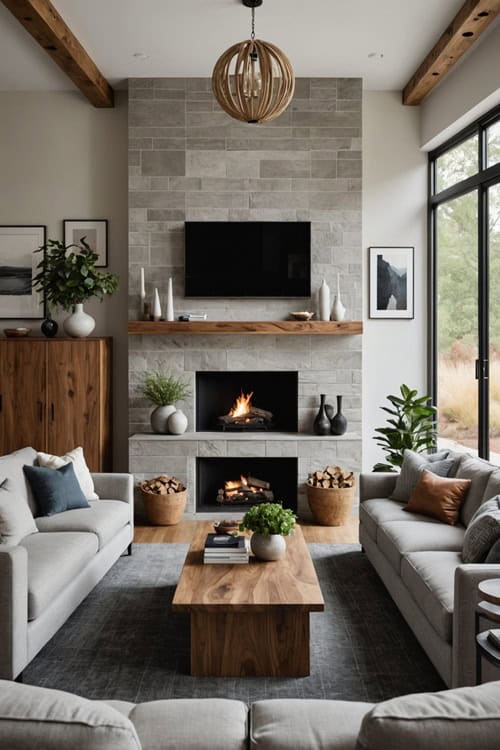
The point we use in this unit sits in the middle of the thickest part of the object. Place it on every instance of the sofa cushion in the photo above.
(55, 490)
(381, 510)
(482, 532)
(39, 718)
(412, 465)
(479, 472)
(396, 540)
(77, 458)
(185, 724)
(465, 719)
(11, 467)
(54, 560)
(438, 497)
(16, 518)
(430, 579)
(104, 518)
(293, 724)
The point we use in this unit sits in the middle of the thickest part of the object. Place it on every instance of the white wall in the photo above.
(60, 158)
(468, 92)
(394, 213)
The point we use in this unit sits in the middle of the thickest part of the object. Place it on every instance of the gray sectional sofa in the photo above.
(48, 574)
(466, 719)
(420, 562)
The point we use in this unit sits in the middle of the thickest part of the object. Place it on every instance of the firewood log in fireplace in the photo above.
(244, 497)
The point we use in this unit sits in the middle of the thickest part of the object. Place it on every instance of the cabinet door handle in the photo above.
(40, 411)
(1, 402)
(52, 412)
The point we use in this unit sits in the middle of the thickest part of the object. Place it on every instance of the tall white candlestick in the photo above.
(143, 285)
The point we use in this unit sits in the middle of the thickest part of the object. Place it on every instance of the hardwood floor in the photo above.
(183, 533)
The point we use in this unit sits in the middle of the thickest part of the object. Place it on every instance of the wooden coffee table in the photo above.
(249, 619)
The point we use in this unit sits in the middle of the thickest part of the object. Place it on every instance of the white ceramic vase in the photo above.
(156, 306)
(338, 309)
(324, 301)
(268, 546)
(159, 418)
(170, 301)
(79, 324)
(177, 423)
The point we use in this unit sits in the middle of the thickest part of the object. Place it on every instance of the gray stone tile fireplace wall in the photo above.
(188, 161)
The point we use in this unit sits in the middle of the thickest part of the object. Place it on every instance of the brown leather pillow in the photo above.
(438, 497)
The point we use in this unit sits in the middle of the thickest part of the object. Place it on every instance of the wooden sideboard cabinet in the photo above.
(55, 394)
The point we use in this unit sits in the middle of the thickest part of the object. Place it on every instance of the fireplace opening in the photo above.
(234, 484)
(243, 401)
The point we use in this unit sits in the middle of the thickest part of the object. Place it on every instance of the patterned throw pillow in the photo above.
(482, 532)
(413, 465)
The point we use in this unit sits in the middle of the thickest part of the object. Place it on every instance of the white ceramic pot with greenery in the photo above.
(164, 390)
(67, 279)
(270, 523)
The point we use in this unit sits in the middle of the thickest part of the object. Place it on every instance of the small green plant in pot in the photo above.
(164, 390)
(67, 279)
(270, 523)
(412, 426)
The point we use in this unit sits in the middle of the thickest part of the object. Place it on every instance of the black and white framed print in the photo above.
(391, 282)
(95, 233)
(18, 263)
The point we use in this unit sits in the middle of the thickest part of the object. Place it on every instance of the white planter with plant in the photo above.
(270, 523)
(164, 390)
(68, 279)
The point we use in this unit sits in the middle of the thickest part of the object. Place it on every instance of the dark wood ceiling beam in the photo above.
(47, 27)
(470, 22)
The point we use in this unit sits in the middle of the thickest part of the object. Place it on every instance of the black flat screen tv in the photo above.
(248, 259)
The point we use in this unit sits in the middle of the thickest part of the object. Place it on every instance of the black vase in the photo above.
(321, 425)
(49, 328)
(339, 422)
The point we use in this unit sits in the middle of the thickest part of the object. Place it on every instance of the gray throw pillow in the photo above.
(493, 556)
(482, 532)
(413, 465)
(16, 518)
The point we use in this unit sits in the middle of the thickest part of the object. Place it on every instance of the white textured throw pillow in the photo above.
(81, 469)
(16, 518)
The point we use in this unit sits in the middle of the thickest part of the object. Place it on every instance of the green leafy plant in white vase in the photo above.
(164, 390)
(270, 523)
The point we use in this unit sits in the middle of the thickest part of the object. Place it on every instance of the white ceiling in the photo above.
(185, 37)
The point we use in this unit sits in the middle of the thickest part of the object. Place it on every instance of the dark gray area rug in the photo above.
(125, 643)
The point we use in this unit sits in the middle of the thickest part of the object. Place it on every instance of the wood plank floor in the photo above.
(184, 532)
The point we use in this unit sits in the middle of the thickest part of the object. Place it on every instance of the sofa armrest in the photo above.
(13, 611)
(115, 486)
(376, 484)
(467, 578)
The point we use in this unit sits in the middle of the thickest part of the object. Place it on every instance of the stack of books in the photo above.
(226, 550)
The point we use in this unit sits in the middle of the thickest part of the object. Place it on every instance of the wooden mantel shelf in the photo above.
(259, 327)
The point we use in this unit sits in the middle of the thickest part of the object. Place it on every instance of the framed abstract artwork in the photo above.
(95, 233)
(391, 282)
(18, 263)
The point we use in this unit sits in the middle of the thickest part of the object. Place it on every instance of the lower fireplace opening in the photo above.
(228, 485)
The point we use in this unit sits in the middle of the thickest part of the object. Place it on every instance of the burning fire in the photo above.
(233, 487)
(241, 405)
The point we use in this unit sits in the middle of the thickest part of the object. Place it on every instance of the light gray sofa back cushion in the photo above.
(413, 465)
(482, 532)
(479, 472)
(42, 719)
(16, 518)
(452, 720)
(11, 467)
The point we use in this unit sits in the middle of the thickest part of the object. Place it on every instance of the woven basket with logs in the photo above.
(164, 499)
(331, 494)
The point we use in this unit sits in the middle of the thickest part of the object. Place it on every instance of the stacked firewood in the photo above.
(163, 485)
(246, 490)
(332, 478)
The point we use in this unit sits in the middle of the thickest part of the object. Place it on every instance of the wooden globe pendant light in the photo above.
(253, 81)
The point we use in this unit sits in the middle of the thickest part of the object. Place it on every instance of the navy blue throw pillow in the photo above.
(55, 490)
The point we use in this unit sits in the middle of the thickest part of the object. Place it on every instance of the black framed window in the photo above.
(464, 283)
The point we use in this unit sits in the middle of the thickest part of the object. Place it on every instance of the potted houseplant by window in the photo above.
(164, 390)
(69, 278)
(270, 523)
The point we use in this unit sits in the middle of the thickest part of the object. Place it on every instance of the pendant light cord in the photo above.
(252, 35)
